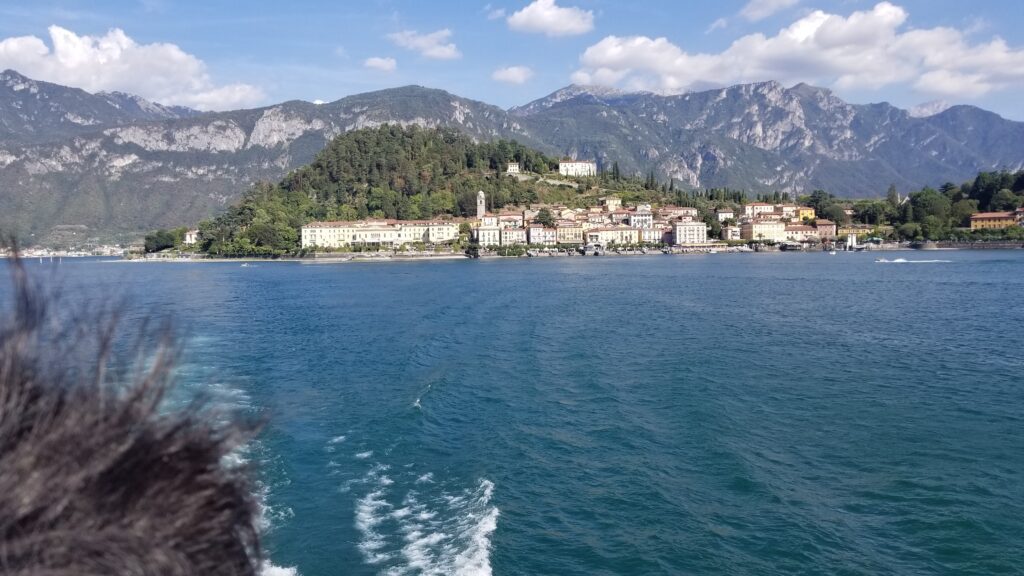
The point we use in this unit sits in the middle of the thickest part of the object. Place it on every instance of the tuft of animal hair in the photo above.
(98, 476)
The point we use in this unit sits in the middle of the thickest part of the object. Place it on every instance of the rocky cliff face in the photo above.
(117, 163)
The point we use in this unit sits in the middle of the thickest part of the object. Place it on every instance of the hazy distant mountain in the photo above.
(39, 111)
(114, 162)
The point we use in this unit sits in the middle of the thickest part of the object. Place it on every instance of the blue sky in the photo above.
(220, 55)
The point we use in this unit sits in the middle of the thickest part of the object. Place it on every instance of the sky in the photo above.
(215, 55)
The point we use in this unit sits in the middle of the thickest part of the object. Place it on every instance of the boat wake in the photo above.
(408, 531)
(905, 261)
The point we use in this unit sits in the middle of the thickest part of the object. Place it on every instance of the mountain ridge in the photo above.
(141, 165)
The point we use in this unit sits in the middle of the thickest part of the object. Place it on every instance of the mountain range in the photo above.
(86, 164)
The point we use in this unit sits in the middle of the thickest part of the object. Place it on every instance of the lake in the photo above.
(719, 414)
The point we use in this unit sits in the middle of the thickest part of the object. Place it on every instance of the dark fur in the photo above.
(96, 476)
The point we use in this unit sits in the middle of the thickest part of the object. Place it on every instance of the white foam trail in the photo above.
(337, 439)
(364, 455)
(268, 569)
(428, 477)
(443, 535)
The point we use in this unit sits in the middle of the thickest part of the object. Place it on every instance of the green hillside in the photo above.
(393, 172)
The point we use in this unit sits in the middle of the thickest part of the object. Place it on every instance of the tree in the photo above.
(545, 217)
(835, 213)
(1005, 200)
(159, 240)
(893, 197)
(818, 200)
(909, 231)
(616, 175)
(960, 212)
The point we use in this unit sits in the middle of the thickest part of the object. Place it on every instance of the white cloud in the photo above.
(434, 45)
(494, 13)
(546, 17)
(717, 25)
(382, 64)
(756, 10)
(159, 72)
(866, 50)
(512, 74)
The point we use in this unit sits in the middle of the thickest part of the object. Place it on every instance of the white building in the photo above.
(620, 235)
(511, 236)
(385, 233)
(568, 232)
(689, 232)
(764, 230)
(513, 168)
(641, 219)
(488, 236)
(574, 168)
(481, 204)
(538, 234)
(755, 209)
(191, 237)
(725, 214)
(731, 233)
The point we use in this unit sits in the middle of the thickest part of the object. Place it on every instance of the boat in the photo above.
(831, 252)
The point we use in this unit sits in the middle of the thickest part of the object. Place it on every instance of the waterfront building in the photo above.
(567, 232)
(488, 236)
(652, 235)
(577, 168)
(826, 228)
(513, 168)
(992, 220)
(481, 204)
(731, 233)
(539, 234)
(725, 214)
(684, 232)
(763, 230)
(191, 237)
(511, 236)
(641, 218)
(613, 235)
(383, 233)
(802, 233)
(755, 209)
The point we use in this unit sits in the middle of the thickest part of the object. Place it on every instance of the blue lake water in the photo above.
(720, 414)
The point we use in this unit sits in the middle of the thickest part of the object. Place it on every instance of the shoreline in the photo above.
(350, 259)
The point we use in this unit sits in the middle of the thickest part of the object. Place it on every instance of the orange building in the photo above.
(992, 220)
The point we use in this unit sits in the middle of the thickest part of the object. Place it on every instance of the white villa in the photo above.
(574, 168)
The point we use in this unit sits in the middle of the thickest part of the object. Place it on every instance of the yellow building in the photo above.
(805, 212)
(992, 220)
(764, 230)
(613, 235)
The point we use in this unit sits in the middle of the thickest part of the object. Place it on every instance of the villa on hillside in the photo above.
(577, 169)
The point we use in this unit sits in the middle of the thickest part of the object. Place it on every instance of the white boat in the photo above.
(831, 252)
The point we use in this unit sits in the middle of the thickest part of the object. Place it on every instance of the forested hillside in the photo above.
(393, 172)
